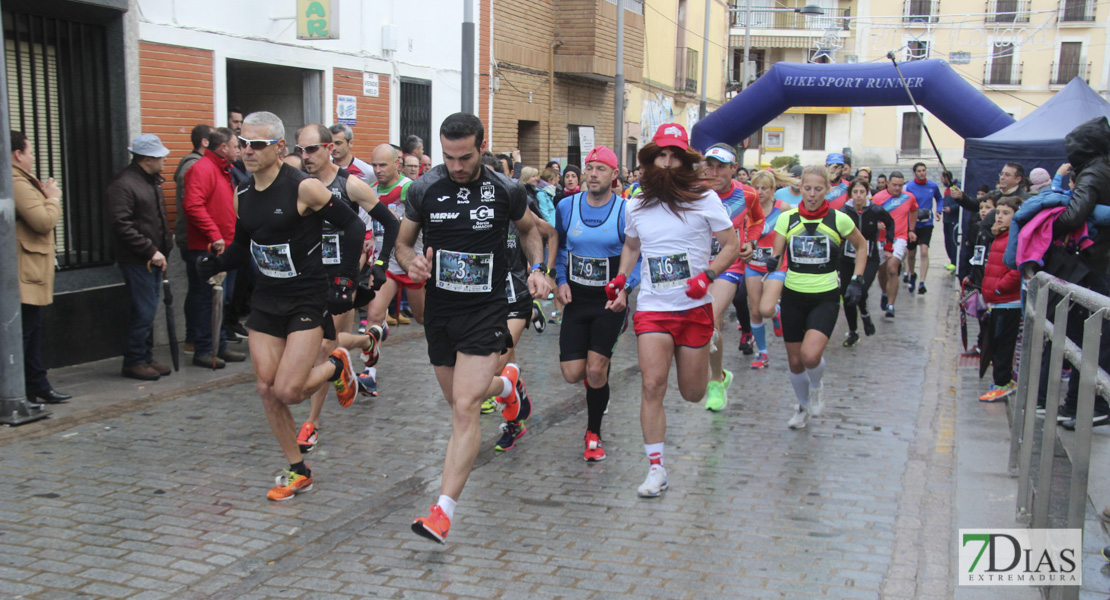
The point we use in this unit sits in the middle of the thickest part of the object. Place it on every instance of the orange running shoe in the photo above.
(511, 410)
(594, 451)
(434, 526)
(346, 386)
(307, 437)
(289, 484)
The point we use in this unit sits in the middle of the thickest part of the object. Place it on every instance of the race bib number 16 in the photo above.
(669, 271)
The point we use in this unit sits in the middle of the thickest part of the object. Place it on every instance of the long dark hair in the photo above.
(675, 187)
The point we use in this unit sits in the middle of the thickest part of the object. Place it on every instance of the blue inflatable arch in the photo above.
(934, 84)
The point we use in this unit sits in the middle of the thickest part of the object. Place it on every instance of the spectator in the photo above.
(572, 177)
(210, 206)
(37, 210)
(235, 120)
(342, 155)
(950, 211)
(199, 138)
(425, 164)
(490, 160)
(413, 146)
(136, 212)
(546, 189)
(1011, 181)
(880, 184)
(1001, 288)
(554, 164)
(506, 164)
(411, 166)
(234, 123)
(1038, 180)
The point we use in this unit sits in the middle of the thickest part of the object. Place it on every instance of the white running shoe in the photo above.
(800, 418)
(816, 402)
(655, 483)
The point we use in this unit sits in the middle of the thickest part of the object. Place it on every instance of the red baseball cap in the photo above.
(602, 155)
(671, 134)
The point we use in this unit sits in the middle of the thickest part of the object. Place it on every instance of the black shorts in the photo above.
(521, 309)
(479, 333)
(589, 327)
(802, 312)
(924, 237)
(309, 315)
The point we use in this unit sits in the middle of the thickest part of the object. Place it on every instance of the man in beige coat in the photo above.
(37, 209)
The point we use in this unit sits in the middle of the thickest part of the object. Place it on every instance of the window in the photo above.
(1068, 67)
(911, 134)
(920, 11)
(917, 50)
(1001, 67)
(1078, 10)
(813, 132)
(416, 111)
(574, 146)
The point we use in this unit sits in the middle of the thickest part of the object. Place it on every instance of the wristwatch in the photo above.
(551, 272)
(857, 278)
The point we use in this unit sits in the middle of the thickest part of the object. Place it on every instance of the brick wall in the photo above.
(372, 126)
(176, 93)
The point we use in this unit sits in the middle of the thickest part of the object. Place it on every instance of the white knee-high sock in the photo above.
(816, 373)
(800, 381)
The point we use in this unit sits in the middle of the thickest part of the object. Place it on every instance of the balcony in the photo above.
(686, 67)
(588, 49)
(786, 18)
(920, 11)
(1063, 73)
(1076, 11)
(1002, 72)
(1007, 11)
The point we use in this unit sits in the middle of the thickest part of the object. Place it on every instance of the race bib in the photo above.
(463, 272)
(714, 249)
(809, 249)
(589, 271)
(669, 271)
(979, 258)
(329, 248)
(761, 254)
(510, 289)
(850, 249)
(274, 261)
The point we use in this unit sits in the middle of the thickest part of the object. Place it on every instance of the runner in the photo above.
(672, 225)
(314, 143)
(281, 214)
(929, 202)
(591, 234)
(811, 300)
(720, 167)
(867, 218)
(838, 183)
(759, 283)
(344, 157)
(464, 211)
(902, 207)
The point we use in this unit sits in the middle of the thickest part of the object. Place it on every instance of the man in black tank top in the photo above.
(314, 144)
(281, 214)
(464, 211)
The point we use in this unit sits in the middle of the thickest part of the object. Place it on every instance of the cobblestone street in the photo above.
(168, 500)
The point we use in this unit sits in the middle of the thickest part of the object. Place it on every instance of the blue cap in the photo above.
(834, 158)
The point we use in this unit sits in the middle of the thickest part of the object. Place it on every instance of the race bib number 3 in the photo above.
(979, 258)
(589, 271)
(464, 272)
(329, 249)
(274, 261)
(668, 272)
(809, 249)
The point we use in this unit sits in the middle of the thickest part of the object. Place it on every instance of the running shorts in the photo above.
(404, 281)
(589, 327)
(479, 333)
(924, 237)
(301, 317)
(897, 249)
(521, 309)
(800, 312)
(776, 276)
(692, 327)
(734, 277)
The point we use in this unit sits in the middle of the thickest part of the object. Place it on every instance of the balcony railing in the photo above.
(920, 11)
(764, 18)
(1076, 11)
(686, 70)
(1063, 73)
(1007, 11)
(1002, 73)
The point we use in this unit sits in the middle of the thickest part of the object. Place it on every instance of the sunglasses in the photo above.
(308, 149)
(257, 145)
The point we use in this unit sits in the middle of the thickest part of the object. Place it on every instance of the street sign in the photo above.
(317, 19)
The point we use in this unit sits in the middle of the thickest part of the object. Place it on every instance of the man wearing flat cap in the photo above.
(142, 240)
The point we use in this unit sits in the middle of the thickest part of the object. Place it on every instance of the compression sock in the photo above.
(760, 336)
(507, 387)
(744, 316)
(800, 381)
(816, 373)
(300, 469)
(654, 453)
(448, 505)
(850, 316)
(596, 401)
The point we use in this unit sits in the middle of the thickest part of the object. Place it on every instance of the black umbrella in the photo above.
(171, 326)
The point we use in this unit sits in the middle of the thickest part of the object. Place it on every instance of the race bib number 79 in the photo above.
(585, 270)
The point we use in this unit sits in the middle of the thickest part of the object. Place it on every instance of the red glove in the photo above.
(614, 287)
(697, 287)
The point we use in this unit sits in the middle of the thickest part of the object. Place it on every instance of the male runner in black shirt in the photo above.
(281, 214)
(464, 210)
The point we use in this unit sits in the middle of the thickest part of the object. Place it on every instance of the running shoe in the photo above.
(489, 405)
(851, 339)
(307, 437)
(407, 312)
(747, 344)
(889, 311)
(289, 484)
(362, 326)
(511, 403)
(594, 451)
(556, 318)
(776, 322)
(921, 288)
(762, 361)
(905, 277)
(998, 392)
(868, 324)
(816, 401)
(525, 401)
(655, 483)
(718, 393)
(951, 268)
(510, 433)
(370, 355)
(912, 283)
(434, 526)
(368, 385)
(800, 418)
(346, 384)
(884, 302)
(539, 320)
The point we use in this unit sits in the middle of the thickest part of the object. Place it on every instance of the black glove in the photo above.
(377, 275)
(772, 264)
(208, 264)
(363, 296)
(854, 293)
(341, 295)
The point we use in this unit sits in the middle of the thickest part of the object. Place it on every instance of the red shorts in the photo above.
(404, 281)
(692, 327)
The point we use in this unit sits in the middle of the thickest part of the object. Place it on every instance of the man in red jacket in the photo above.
(1002, 291)
(210, 208)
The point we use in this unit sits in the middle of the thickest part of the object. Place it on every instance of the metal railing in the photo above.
(1007, 11)
(1033, 500)
(1001, 73)
(1076, 11)
(782, 18)
(1063, 73)
(920, 11)
(686, 70)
